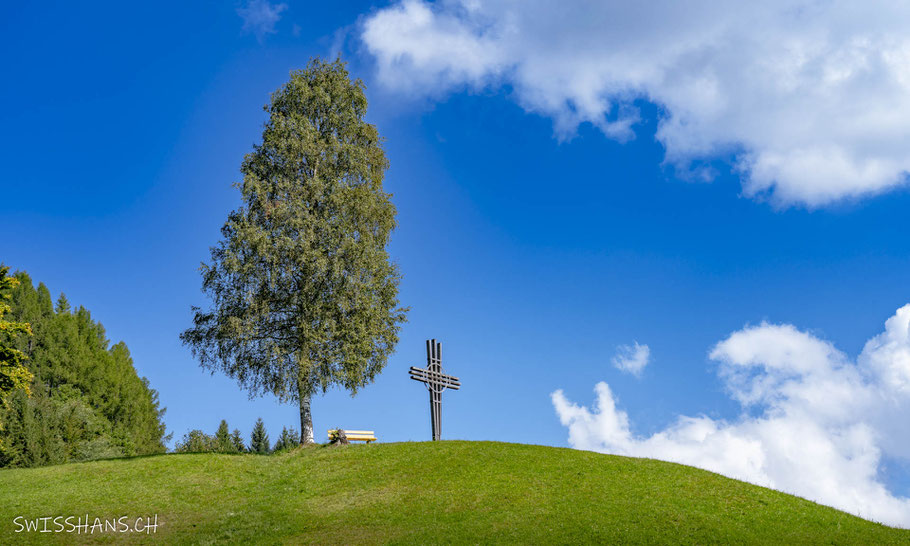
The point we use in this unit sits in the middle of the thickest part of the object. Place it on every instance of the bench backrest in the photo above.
(357, 434)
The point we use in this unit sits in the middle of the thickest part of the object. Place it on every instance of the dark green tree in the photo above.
(288, 439)
(237, 441)
(259, 439)
(63, 305)
(13, 373)
(87, 401)
(223, 441)
(304, 293)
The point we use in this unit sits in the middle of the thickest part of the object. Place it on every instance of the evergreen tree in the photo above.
(63, 305)
(237, 441)
(13, 373)
(223, 438)
(288, 439)
(87, 400)
(259, 439)
(304, 293)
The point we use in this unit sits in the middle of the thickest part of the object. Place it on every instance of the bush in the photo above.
(196, 441)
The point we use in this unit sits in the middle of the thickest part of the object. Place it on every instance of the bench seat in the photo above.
(357, 435)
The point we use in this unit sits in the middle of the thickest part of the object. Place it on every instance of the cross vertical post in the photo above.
(436, 381)
(434, 364)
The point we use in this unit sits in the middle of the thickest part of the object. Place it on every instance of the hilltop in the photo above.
(451, 491)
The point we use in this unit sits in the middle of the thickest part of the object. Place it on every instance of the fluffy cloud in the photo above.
(811, 98)
(632, 358)
(814, 423)
(260, 17)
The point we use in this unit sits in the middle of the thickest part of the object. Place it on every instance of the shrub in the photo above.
(196, 441)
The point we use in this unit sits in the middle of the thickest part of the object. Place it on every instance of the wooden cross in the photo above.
(436, 382)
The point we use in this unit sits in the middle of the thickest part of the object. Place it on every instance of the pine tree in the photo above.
(87, 400)
(279, 443)
(223, 441)
(237, 441)
(304, 293)
(259, 439)
(13, 373)
(288, 439)
(63, 305)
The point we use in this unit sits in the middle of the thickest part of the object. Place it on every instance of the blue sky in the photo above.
(543, 224)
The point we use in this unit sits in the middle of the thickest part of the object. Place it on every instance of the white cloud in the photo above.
(260, 17)
(813, 424)
(812, 98)
(632, 358)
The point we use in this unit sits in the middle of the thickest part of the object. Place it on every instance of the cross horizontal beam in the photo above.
(433, 373)
(434, 377)
(453, 386)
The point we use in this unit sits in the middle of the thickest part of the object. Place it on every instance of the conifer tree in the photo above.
(288, 439)
(237, 441)
(87, 401)
(259, 439)
(63, 305)
(280, 442)
(223, 441)
(304, 293)
(13, 373)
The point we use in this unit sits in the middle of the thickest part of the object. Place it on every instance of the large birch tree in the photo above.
(304, 294)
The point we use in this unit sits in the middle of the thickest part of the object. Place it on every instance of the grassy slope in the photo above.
(422, 492)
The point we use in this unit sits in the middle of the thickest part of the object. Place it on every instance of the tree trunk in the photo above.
(306, 419)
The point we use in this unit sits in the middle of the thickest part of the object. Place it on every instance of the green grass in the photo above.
(422, 492)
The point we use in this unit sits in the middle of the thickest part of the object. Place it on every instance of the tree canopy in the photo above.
(13, 373)
(304, 294)
(87, 401)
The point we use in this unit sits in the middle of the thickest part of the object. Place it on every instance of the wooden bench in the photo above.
(357, 435)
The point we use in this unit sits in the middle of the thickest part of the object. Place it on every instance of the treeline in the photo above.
(87, 401)
(197, 441)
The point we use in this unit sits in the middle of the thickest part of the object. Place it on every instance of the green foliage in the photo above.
(63, 304)
(87, 399)
(13, 373)
(196, 441)
(259, 439)
(304, 293)
(223, 441)
(289, 439)
(425, 493)
(237, 441)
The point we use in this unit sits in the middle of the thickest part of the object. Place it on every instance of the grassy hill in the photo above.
(420, 492)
